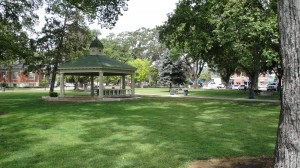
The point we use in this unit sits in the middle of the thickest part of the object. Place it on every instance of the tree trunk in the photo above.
(287, 152)
(53, 78)
(170, 87)
(227, 80)
(195, 83)
(253, 85)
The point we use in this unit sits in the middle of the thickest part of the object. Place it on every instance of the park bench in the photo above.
(179, 91)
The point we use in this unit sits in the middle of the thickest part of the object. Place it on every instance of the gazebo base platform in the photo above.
(84, 99)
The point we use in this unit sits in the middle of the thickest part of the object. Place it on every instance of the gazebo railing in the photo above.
(117, 92)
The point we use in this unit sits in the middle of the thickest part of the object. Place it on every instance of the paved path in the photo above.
(212, 98)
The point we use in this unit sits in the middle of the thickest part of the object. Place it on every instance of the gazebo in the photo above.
(96, 64)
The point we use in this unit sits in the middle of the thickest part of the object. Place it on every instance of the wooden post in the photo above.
(101, 88)
(123, 84)
(132, 85)
(92, 85)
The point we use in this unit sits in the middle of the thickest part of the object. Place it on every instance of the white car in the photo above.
(220, 86)
(235, 87)
(69, 84)
(242, 87)
(272, 86)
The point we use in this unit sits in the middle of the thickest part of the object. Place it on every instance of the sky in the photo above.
(141, 13)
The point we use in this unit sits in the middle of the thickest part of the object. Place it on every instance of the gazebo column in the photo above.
(132, 85)
(123, 85)
(62, 84)
(92, 85)
(101, 88)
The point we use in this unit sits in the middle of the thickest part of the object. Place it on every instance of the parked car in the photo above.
(272, 86)
(262, 87)
(236, 87)
(242, 87)
(69, 84)
(220, 86)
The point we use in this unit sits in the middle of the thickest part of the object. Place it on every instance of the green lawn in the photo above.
(148, 132)
(224, 93)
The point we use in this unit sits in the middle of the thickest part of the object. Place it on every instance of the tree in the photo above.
(288, 145)
(65, 34)
(143, 69)
(142, 43)
(189, 31)
(249, 28)
(116, 48)
(169, 72)
(64, 37)
(205, 76)
(106, 12)
(15, 18)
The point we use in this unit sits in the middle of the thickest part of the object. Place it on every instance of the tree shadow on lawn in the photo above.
(158, 132)
(188, 132)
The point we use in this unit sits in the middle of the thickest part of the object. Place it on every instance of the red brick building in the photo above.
(263, 79)
(14, 76)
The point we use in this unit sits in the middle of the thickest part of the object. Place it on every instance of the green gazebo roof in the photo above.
(97, 43)
(96, 61)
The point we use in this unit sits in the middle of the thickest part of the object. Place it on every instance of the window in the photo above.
(15, 76)
(31, 76)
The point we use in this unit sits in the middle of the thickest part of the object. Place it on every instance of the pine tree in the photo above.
(169, 72)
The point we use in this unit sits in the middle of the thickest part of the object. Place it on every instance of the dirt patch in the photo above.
(1, 113)
(242, 162)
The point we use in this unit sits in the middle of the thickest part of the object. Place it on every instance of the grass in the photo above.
(149, 132)
(224, 93)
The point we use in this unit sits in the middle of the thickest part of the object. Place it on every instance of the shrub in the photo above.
(53, 94)
(4, 85)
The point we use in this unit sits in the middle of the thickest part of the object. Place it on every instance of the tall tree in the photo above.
(65, 33)
(249, 28)
(143, 71)
(170, 72)
(64, 37)
(189, 30)
(142, 43)
(15, 18)
(116, 48)
(288, 144)
(106, 12)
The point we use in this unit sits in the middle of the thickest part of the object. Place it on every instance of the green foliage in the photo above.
(144, 69)
(64, 36)
(170, 72)
(226, 34)
(142, 43)
(249, 28)
(106, 12)
(53, 94)
(16, 17)
(189, 31)
(116, 48)
(205, 76)
(4, 85)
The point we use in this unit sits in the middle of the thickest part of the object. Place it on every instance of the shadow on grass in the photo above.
(150, 132)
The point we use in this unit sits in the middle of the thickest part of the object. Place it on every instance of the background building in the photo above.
(15, 76)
